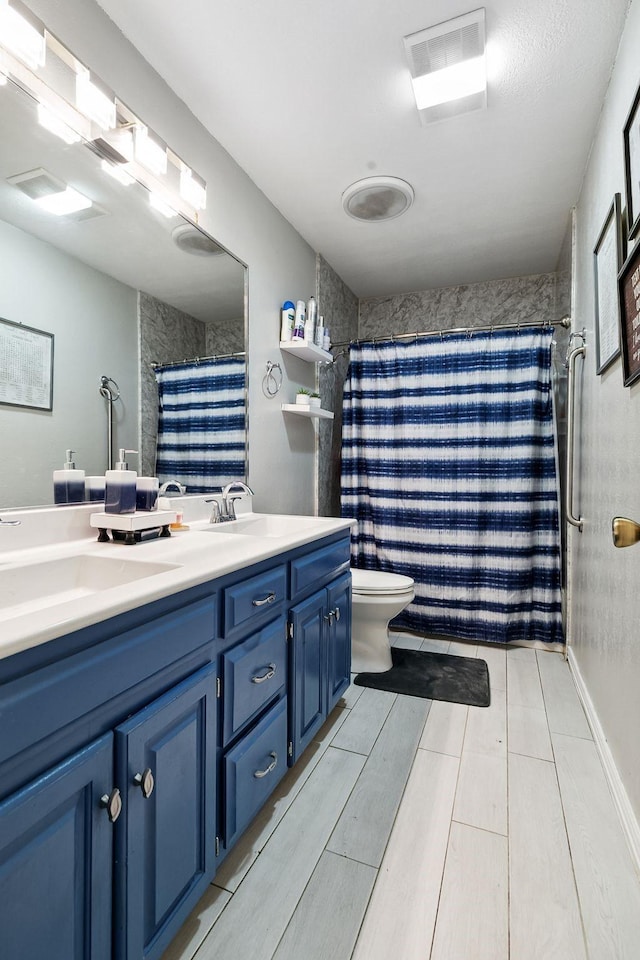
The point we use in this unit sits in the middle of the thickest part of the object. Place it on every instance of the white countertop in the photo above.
(193, 556)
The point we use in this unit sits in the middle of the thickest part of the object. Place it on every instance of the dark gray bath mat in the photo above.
(434, 676)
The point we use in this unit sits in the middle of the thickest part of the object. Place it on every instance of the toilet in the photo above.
(377, 598)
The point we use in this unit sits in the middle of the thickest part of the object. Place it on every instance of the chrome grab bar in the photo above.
(571, 416)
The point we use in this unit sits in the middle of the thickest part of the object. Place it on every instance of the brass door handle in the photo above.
(625, 532)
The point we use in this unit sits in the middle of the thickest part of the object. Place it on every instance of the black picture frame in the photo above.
(631, 137)
(608, 257)
(629, 299)
(26, 366)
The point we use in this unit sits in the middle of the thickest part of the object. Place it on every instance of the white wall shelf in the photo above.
(307, 411)
(306, 351)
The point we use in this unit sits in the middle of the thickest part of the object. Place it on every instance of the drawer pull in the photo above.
(146, 782)
(259, 774)
(265, 676)
(113, 802)
(270, 597)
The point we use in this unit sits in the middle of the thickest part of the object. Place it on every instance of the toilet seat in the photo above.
(371, 583)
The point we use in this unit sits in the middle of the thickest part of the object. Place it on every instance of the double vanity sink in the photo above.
(153, 697)
(48, 591)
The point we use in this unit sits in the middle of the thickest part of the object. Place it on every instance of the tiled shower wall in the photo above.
(539, 298)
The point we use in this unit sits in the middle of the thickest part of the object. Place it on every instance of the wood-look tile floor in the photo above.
(415, 829)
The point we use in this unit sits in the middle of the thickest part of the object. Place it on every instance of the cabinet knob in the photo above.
(329, 616)
(146, 782)
(270, 597)
(336, 613)
(271, 672)
(113, 803)
(259, 774)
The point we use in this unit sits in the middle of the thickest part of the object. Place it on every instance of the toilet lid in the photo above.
(370, 582)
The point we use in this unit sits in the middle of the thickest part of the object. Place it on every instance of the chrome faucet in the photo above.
(172, 483)
(10, 523)
(224, 509)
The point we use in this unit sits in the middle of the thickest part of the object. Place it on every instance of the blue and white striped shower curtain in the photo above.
(201, 423)
(449, 467)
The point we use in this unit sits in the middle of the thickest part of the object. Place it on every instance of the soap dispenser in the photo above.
(120, 486)
(68, 483)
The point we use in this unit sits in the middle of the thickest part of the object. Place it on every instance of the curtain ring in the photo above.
(272, 381)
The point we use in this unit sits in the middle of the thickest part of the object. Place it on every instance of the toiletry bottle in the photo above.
(288, 320)
(311, 319)
(120, 486)
(68, 483)
(318, 338)
(298, 329)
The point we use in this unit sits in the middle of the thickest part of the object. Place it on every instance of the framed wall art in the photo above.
(629, 297)
(608, 257)
(632, 166)
(26, 366)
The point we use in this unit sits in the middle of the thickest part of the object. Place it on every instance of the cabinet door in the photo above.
(307, 694)
(339, 639)
(56, 855)
(165, 758)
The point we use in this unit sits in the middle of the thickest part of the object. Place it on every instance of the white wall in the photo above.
(605, 609)
(281, 265)
(94, 322)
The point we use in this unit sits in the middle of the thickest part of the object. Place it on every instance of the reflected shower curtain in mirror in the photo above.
(201, 423)
(449, 467)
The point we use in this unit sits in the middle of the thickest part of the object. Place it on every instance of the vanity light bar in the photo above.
(94, 100)
(75, 102)
(149, 150)
(192, 187)
(22, 33)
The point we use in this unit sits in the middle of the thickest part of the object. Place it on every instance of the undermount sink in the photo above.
(36, 586)
(264, 525)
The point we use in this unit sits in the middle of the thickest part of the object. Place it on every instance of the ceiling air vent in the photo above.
(446, 62)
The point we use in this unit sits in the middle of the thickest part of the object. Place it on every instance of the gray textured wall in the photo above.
(339, 307)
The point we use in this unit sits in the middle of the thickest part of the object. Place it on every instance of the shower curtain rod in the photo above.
(564, 322)
(175, 363)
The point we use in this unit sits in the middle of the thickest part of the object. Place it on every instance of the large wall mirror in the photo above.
(120, 286)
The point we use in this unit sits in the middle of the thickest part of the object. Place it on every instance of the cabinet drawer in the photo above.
(253, 600)
(320, 566)
(253, 672)
(253, 768)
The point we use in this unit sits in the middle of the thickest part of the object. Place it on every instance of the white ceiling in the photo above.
(311, 95)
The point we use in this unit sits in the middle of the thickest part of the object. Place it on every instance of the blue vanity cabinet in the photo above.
(165, 842)
(320, 640)
(56, 861)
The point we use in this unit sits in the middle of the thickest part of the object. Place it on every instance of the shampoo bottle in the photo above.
(68, 483)
(288, 320)
(120, 486)
(298, 330)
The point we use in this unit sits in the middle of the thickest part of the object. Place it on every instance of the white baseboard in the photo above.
(628, 819)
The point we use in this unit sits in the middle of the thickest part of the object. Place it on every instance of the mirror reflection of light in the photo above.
(161, 206)
(52, 123)
(63, 203)
(118, 173)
